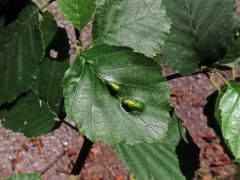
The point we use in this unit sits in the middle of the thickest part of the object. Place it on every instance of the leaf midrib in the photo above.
(190, 20)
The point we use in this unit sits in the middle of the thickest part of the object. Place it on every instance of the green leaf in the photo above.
(232, 58)
(227, 112)
(100, 3)
(98, 110)
(52, 70)
(26, 176)
(200, 32)
(49, 82)
(48, 27)
(21, 51)
(30, 116)
(78, 12)
(153, 160)
(139, 24)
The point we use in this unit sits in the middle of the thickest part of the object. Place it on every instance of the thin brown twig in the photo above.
(52, 163)
(70, 125)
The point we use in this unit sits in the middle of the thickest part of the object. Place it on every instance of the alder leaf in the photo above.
(153, 160)
(227, 112)
(22, 50)
(115, 95)
(200, 33)
(30, 116)
(78, 12)
(142, 25)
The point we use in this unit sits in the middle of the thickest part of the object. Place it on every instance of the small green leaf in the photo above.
(26, 176)
(227, 112)
(200, 33)
(21, 51)
(153, 160)
(99, 114)
(78, 12)
(139, 24)
(30, 116)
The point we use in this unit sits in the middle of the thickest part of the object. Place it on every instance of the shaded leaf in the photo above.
(21, 51)
(30, 116)
(232, 58)
(98, 111)
(49, 82)
(139, 24)
(78, 12)
(200, 32)
(48, 27)
(52, 69)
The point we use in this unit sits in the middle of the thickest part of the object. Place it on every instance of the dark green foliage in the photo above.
(21, 52)
(115, 91)
(200, 33)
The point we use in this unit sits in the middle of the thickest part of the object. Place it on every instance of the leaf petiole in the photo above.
(221, 77)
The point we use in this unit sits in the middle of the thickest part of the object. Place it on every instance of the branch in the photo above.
(82, 156)
(70, 125)
(178, 75)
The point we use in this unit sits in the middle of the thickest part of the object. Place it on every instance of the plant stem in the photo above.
(178, 75)
(82, 156)
(52, 163)
(221, 77)
(173, 76)
(70, 125)
(214, 84)
(234, 73)
(44, 6)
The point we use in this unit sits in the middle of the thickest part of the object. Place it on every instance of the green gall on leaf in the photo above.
(132, 105)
